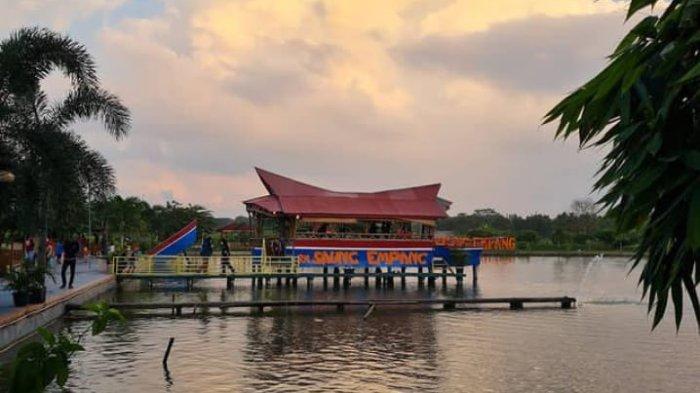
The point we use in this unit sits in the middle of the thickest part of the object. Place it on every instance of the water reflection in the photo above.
(604, 346)
(341, 352)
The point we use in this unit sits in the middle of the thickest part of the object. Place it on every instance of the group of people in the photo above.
(64, 252)
(207, 250)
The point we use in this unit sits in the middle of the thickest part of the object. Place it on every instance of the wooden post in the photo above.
(309, 282)
(346, 277)
(260, 282)
(421, 279)
(389, 277)
(336, 277)
(325, 277)
(403, 277)
(167, 352)
(431, 277)
(474, 275)
(378, 277)
(294, 282)
(279, 281)
(444, 276)
(366, 277)
(460, 278)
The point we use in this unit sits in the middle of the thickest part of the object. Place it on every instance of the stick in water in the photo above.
(369, 311)
(167, 352)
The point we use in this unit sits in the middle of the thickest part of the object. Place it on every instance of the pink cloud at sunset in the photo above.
(349, 95)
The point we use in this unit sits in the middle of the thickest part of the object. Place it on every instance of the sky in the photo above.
(347, 95)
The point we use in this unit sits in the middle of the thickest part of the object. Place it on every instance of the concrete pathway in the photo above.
(86, 272)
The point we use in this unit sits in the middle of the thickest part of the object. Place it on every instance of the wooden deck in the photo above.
(176, 308)
(382, 278)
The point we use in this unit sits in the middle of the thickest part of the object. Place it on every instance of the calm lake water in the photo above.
(604, 345)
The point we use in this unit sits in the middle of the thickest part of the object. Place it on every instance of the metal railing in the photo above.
(177, 265)
(362, 236)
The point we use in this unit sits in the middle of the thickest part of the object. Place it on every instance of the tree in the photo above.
(55, 168)
(172, 216)
(645, 106)
(124, 217)
(583, 207)
(529, 236)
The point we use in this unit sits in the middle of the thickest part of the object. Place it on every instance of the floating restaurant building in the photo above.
(392, 228)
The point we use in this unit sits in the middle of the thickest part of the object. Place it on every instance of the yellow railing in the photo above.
(205, 266)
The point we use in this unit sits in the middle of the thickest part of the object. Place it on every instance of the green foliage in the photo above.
(38, 364)
(644, 107)
(528, 236)
(134, 220)
(37, 274)
(103, 315)
(17, 280)
(580, 229)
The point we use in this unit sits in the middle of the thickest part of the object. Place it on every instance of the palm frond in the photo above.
(30, 54)
(91, 102)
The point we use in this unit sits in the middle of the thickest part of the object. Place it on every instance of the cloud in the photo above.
(57, 14)
(281, 71)
(348, 95)
(537, 53)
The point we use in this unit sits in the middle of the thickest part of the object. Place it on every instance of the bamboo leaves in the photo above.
(645, 105)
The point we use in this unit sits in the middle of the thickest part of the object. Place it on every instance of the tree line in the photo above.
(131, 220)
(581, 228)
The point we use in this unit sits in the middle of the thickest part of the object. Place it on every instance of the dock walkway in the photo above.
(262, 270)
(176, 308)
(91, 279)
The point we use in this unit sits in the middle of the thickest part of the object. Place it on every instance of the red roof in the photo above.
(234, 227)
(291, 197)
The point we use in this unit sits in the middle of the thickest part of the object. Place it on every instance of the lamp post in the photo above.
(6, 176)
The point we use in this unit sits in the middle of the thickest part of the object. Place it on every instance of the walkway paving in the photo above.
(85, 273)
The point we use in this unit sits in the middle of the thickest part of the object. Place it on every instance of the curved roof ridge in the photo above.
(284, 186)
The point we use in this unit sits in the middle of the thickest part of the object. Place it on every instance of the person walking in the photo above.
(29, 254)
(225, 253)
(58, 252)
(71, 249)
(205, 252)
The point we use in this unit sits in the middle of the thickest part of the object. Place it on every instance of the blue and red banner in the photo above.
(367, 253)
(177, 242)
(370, 257)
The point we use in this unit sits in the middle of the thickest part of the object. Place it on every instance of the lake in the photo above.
(605, 344)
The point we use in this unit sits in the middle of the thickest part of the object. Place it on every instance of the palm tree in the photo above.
(55, 166)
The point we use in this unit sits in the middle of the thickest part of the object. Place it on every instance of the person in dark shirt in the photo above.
(225, 253)
(206, 251)
(71, 249)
